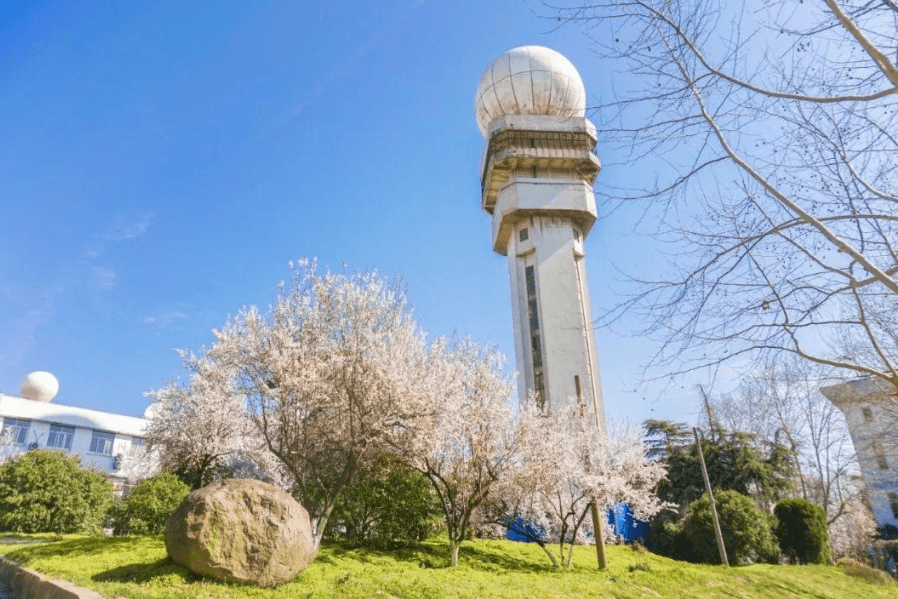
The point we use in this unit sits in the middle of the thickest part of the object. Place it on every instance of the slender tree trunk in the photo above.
(599, 528)
(318, 525)
(548, 553)
(717, 533)
(453, 552)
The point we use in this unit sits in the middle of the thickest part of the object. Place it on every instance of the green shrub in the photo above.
(385, 505)
(667, 537)
(45, 491)
(147, 508)
(747, 531)
(801, 531)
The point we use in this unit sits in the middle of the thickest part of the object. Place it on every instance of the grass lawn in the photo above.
(137, 567)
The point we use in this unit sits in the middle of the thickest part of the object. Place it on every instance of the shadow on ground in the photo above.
(142, 572)
(86, 547)
(434, 555)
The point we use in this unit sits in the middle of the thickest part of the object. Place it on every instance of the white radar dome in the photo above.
(151, 411)
(529, 80)
(39, 386)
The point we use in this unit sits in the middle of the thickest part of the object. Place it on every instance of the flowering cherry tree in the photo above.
(333, 375)
(198, 426)
(564, 465)
(468, 443)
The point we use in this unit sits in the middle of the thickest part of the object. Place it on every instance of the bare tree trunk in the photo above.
(453, 552)
(599, 528)
(717, 533)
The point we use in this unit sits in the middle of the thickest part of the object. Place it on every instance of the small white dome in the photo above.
(529, 80)
(151, 411)
(39, 386)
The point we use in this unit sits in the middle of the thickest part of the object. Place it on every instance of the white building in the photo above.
(538, 169)
(871, 411)
(106, 442)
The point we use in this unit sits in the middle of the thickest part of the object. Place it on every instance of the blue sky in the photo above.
(161, 162)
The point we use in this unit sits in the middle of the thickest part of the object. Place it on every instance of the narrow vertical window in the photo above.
(539, 385)
(868, 415)
(523, 234)
(893, 501)
(579, 391)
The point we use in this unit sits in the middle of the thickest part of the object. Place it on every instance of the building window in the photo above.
(15, 430)
(137, 443)
(61, 436)
(101, 442)
(523, 234)
(868, 415)
(893, 501)
(539, 383)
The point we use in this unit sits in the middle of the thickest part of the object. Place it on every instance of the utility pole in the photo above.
(717, 533)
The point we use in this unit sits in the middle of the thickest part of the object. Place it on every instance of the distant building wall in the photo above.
(871, 411)
(106, 442)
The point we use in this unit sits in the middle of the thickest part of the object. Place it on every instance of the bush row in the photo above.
(45, 491)
(796, 530)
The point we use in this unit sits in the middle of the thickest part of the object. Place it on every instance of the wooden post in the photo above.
(717, 533)
(599, 528)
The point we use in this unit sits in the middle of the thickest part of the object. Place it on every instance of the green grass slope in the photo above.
(137, 567)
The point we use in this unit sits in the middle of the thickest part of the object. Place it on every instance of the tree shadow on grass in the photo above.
(73, 548)
(436, 555)
(143, 572)
(423, 555)
(496, 561)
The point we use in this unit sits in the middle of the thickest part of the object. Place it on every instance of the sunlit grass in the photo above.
(137, 567)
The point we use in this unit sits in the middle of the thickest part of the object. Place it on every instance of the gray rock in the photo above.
(241, 530)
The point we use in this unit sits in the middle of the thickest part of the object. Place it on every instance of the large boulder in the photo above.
(241, 530)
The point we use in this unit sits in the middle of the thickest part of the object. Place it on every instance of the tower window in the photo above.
(523, 234)
(868, 415)
(539, 385)
(579, 391)
(536, 351)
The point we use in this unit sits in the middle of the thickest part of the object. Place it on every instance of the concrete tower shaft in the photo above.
(536, 177)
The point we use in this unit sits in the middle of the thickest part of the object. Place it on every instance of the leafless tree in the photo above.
(773, 129)
(784, 404)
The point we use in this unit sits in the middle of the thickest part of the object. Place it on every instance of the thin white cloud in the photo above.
(35, 308)
(122, 228)
(103, 277)
(344, 68)
(164, 320)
